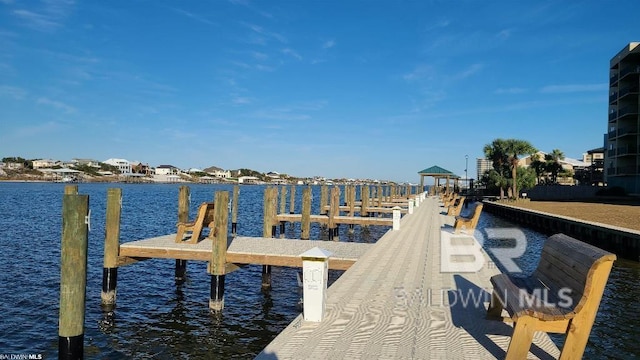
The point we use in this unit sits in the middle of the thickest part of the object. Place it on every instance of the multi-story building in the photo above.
(482, 165)
(123, 165)
(622, 141)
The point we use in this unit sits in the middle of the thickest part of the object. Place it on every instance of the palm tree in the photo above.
(514, 149)
(538, 166)
(553, 163)
(496, 152)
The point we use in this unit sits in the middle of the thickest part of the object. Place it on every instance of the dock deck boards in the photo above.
(246, 250)
(341, 219)
(391, 305)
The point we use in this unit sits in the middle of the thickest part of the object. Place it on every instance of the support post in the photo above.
(323, 199)
(111, 249)
(334, 203)
(234, 210)
(71, 189)
(283, 199)
(410, 207)
(315, 274)
(292, 203)
(305, 221)
(219, 252)
(396, 218)
(364, 204)
(184, 198)
(73, 275)
(269, 210)
(380, 194)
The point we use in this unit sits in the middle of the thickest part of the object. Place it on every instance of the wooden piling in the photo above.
(184, 198)
(283, 199)
(334, 210)
(73, 276)
(364, 205)
(111, 249)
(352, 200)
(268, 226)
(323, 199)
(305, 225)
(234, 210)
(292, 205)
(219, 251)
(71, 189)
(283, 209)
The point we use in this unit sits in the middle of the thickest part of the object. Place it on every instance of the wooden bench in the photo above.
(468, 223)
(205, 217)
(450, 200)
(456, 208)
(561, 296)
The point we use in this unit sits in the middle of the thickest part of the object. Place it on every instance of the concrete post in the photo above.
(315, 269)
(410, 210)
(396, 218)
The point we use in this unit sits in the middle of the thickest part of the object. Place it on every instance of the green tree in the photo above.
(539, 166)
(505, 153)
(553, 164)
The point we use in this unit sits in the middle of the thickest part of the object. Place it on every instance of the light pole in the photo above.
(466, 166)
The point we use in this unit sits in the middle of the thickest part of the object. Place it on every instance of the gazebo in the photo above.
(437, 173)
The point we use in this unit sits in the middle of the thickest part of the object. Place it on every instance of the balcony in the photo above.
(629, 90)
(613, 79)
(623, 170)
(628, 150)
(611, 153)
(628, 110)
(613, 98)
(634, 69)
(613, 115)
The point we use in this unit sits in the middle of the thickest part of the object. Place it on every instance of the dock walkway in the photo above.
(244, 250)
(395, 303)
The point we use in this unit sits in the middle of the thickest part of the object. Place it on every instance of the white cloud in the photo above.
(12, 91)
(420, 72)
(56, 104)
(329, 44)
(471, 70)
(292, 53)
(572, 88)
(47, 18)
(510, 91)
(194, 16)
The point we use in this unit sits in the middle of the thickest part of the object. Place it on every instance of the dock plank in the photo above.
(246, 250)
(396, 303)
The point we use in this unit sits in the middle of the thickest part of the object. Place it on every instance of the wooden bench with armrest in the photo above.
(204, 218)
(468, 223)
(455, 208)
(561, 296)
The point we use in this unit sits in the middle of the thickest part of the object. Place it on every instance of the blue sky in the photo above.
(368, 89)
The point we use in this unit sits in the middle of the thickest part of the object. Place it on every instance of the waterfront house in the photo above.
(123, 165)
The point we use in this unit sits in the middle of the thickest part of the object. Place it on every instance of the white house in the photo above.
(167, 170)
(248, 180)
(45, 163)
(123, 165)
(220, 173)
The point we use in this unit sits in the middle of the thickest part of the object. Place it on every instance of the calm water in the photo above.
(157, 318)
(154, 317)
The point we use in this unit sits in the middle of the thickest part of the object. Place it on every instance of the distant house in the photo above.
(45, 163)
(248, 180)
(87, 162)
(167, 170)
(273, 175)
(218, 172)
(140, 168)
(123, 165)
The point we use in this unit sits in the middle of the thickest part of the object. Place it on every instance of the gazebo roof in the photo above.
(437, 171)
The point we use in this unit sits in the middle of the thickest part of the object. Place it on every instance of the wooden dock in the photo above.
(396, 303)
(243, 250)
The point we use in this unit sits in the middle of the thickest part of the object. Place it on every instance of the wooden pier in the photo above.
(395, 302)
(242, 250)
